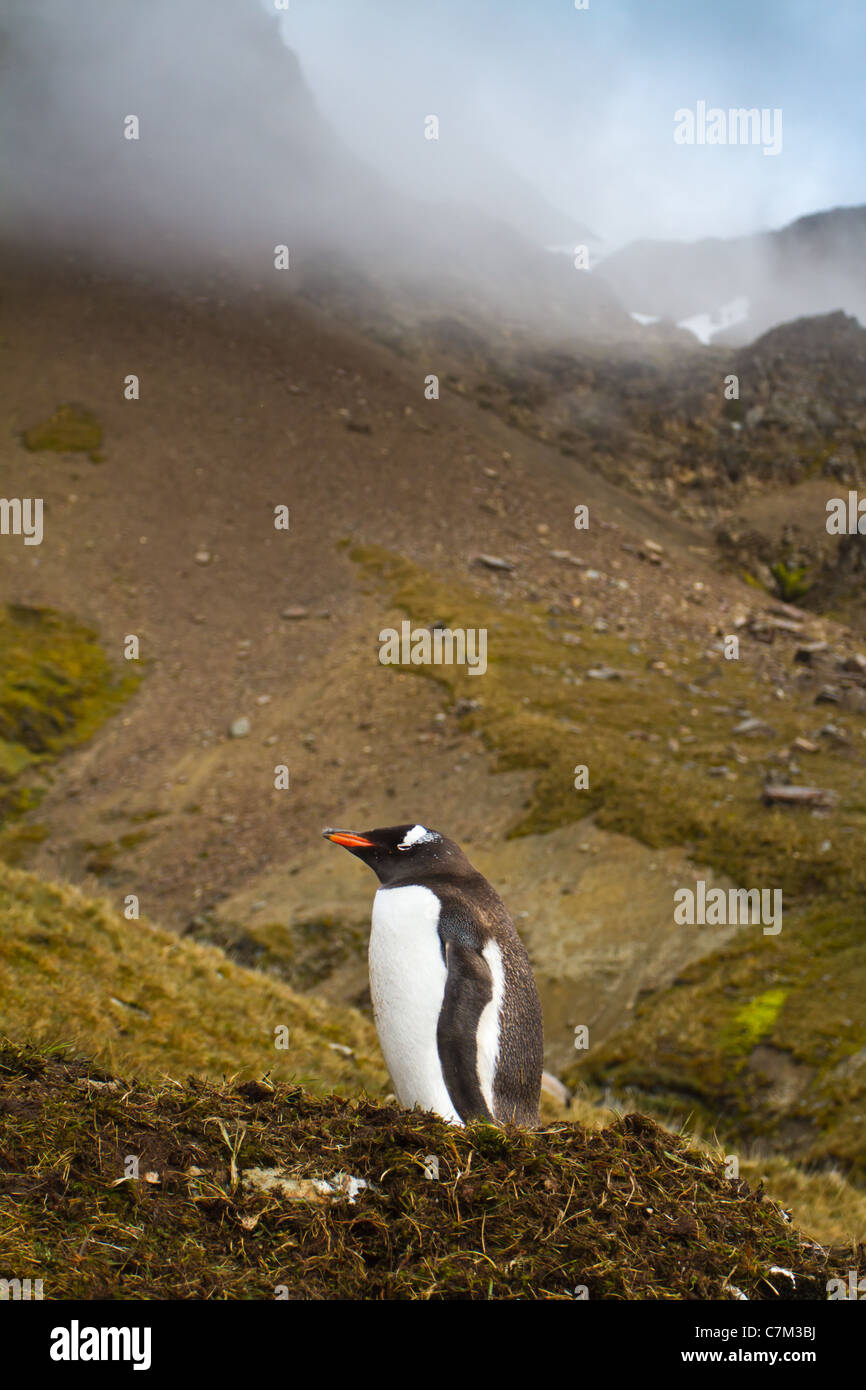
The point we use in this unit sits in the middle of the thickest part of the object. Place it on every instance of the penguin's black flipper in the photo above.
(468, 987)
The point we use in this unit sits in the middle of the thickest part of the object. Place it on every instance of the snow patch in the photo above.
(706, 326)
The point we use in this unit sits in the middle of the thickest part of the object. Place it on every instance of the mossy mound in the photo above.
(629, 1212)
(652, 739)
(71, 429)
(147, 1000)
(56, 687)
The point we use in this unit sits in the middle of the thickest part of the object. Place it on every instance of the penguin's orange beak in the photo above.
(349, 838)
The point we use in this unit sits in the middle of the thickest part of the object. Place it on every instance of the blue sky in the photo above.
(581, 103)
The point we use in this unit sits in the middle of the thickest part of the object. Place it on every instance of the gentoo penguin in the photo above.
(454, 997)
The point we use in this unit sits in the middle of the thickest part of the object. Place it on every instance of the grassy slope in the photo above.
(696, 1044)
(148, 1001)
(628, 1212)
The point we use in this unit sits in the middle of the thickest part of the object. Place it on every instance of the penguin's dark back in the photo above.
(517, 1087)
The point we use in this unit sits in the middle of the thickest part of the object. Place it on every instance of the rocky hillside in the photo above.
(210, 184)
(748, 444)
(812, 266)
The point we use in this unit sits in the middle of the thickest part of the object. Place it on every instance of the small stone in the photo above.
(553, 1087)
(240, 728)
(799, 796)
(295, 612)
(754, 726)
(202, 557)
(494, 562)
(835, 734)
(804, 653)
(465, 706)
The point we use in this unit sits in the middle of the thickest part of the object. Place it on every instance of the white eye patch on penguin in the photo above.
(418, 835)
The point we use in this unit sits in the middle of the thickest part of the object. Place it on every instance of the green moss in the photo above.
(18, 841)
(56, 688)
(753, 1021)
(103, 855)
(791, 581)
(752, 581)
(71, 429)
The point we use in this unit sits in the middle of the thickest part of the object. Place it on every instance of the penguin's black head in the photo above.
(399, 851)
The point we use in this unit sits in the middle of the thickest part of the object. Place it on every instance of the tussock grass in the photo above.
(627, 1212)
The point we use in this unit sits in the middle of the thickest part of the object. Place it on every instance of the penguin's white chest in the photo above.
(407, 985)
